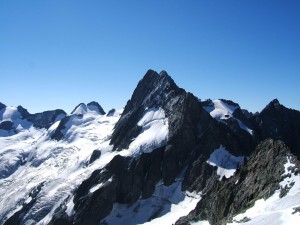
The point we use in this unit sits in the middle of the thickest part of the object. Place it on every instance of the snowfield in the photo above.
(222, 111)
(155, 132)
(30, 159)
(225, 162)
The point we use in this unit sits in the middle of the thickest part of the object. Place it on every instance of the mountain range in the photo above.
(167, 157)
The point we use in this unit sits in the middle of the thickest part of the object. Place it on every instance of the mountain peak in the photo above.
(80, 109)
(152, 90)
(95, 106)
(274, 104)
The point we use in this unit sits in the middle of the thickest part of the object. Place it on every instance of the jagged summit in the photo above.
(81, 108)
(273, 105)
(93, 106)
(154, 80)
(148, 163)
(154, 92)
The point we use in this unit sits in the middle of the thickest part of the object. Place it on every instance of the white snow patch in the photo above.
(276, 210)
(70, 207)
(9, 114)
(220, 110)
(225, 162)
(96, 187)
(166, 206)
(154, 134)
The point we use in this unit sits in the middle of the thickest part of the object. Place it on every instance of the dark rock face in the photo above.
(247, 114)
(123, 180)
(279, 123)
(238, 119)
(23, 112)
(97, 106)
(95, 155)
(58, 134)
(154, 90)
(259, 178)
(111, 112)
(6, 125)
(45, 119)
(42, 120)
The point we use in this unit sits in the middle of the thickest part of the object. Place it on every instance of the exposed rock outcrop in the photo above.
(259, 178)
(280, 123)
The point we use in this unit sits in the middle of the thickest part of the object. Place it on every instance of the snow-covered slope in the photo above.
(31, 158)
(154, 132)
(223, 110)
(218, 109)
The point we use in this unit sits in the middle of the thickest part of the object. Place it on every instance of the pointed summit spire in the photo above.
(152, 90)
(274, 104)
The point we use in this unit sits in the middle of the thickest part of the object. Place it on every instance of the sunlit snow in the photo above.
(60, 166)
(226, 163)
(220, 110)
(30, 157)
(154, 132)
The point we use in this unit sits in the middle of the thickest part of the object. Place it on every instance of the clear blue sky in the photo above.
(58, 53)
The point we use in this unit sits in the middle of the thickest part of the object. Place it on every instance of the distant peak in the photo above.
(164, 73)
(275, 102)
(153, 81)
(153, 90)
(80, 109)
(95, 106)
(273, 105)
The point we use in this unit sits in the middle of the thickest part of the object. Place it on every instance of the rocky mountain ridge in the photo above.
(165, 139)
